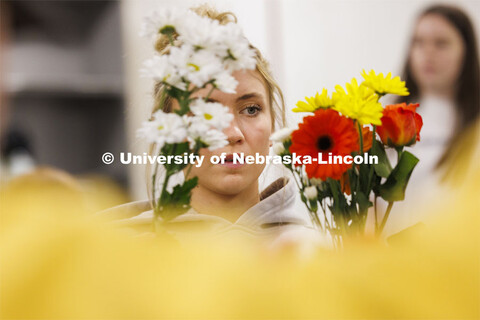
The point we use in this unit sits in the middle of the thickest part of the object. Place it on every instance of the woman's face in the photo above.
(248, 133)
(437, 54)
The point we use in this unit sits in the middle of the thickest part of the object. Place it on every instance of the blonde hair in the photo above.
(275, 95)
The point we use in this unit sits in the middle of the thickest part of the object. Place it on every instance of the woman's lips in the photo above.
(230, 164)
(429, 70)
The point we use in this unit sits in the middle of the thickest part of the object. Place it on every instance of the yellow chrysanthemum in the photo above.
(359, 103)
(384, 84)
(314, 103)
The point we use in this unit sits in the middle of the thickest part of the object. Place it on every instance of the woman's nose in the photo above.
(430, 52)
(234, 133)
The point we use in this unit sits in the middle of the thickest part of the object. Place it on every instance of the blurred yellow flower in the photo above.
(384, 84)
(59, 262)
(359, 103)
(314, 103)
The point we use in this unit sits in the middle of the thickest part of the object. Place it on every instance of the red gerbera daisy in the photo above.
(325, 132)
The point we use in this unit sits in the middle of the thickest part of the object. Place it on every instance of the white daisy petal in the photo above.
(215, 139)
(226, 82)
(163, 128)
(212, 114)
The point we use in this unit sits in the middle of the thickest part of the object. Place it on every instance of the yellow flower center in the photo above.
(207, 116)
(160, 127)
(194, 66)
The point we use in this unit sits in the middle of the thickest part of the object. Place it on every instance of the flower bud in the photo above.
(278, 148)
(401, 125)
(316, 181)
(311, 192)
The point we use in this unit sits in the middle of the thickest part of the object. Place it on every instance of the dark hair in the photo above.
(467, 97)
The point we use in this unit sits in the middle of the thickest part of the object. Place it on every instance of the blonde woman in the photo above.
(227, 199)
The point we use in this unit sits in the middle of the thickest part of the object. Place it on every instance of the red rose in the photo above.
(401, 125)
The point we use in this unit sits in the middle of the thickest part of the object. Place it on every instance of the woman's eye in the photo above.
(418, 42)
(251, 110)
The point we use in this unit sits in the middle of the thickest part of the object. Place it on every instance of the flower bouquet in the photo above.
(201, 53)
(350, 168)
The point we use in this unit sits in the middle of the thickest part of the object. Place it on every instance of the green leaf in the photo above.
(175, 149)
(175, 93)
(178, 202)
(340, 204)
(352, 176)
(363, 202)
(383, 168)
(394, 188)
(364, 171)
(377, 180)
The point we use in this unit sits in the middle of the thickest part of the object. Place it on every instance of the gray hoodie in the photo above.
(274, 218)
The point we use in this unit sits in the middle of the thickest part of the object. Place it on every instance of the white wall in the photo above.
(311, 44)
(328, 42)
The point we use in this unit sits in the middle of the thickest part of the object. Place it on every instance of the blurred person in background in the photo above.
(442, 74)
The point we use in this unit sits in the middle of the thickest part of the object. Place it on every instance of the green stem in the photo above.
(313, 215)
(154, 180)
(361, 151)
(156, 211)
(161, 102)
(339, 217)
(164, 190)
(183, 106)
(165, 182)
(327, 224)
(189, 168)
(209, 93)
(370, 173)
(379, 95)
(399, 153)
(361, 137)
(384, 221)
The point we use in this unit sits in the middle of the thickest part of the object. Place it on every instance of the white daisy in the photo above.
(169, 19)
(195, 131)
(215, 139)
(163, 128)
(211, 114)
(159, 68)
(197, 67)
(225, 82)
(203, 66)
(239, 55)
(205, 35)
